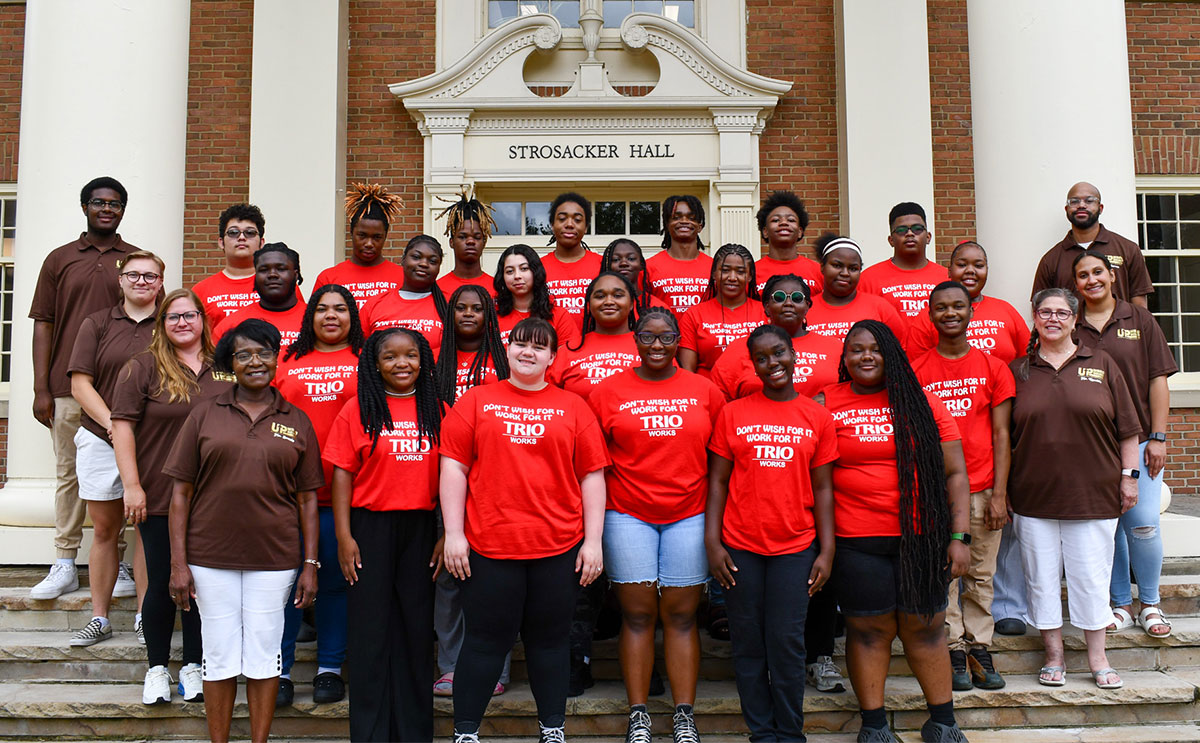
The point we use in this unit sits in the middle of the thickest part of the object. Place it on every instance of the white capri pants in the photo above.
(241, 620)
(1089, 542)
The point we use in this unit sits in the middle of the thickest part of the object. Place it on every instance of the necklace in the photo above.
(399, 394)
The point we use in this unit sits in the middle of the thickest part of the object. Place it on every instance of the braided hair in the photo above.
(542, 306)
(589, 322)
(924, 508)
(668, 206)
(306, 343)
(718, 262)
(439, 299)
(491, 350)
(374, 413)
(644, 286)
(468, 208)
(371, 201)
(657, 313)
(1035, 342)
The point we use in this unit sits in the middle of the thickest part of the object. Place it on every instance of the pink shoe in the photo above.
(498, 690)
(444, 687)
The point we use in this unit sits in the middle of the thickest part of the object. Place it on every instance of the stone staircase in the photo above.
(50, 690)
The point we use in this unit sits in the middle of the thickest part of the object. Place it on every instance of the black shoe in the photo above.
(958, 666)
(983, 673)
(876, 735)
(1013, 627)
(286, 693)
(307, 633)
(718, 623)
(580, 679)
(936, 732)
(657, 687)
(328, 687)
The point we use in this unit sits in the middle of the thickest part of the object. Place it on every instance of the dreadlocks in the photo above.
(371, 201)
(374, 413)
(439, 299)
(542, 306)
(1035, 342)
(668, 207)
(589, 322)
(924, 509)
(467, 208)
(718, 263)
(306, 342)
(644, 285)
(491, 350)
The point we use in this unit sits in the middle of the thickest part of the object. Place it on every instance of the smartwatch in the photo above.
(1157, 436)
(1130, 473)
(964, 537)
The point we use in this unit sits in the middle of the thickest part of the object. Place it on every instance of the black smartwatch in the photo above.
(962, 536)
(1157, 436)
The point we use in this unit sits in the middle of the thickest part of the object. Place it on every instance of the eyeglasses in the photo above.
(1079, 201)
(647, 339)
(782, 296)
(136, 276)
(244, 357)
(174, 317)
(234, 233)
(904, 229)
(1046, 314)
(116, 206)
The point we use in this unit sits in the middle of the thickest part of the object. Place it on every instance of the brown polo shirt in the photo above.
(1133, 338)
(1066, 429)
(107, 340)
(1133, 279)
(156, 420)
(246, 475)
(76, 280)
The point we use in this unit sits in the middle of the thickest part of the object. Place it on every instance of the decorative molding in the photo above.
(447, 121)
(600, 124)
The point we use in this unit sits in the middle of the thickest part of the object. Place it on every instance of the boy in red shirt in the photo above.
(906, 278)
(367, 274)
(242, 230)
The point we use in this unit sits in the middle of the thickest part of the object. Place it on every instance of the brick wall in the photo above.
(12, 51)
(1164, 67)
(950, 99)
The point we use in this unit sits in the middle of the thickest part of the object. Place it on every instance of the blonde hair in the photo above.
(135, 255)
(174, 377)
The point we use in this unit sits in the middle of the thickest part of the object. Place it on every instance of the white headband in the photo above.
(842, 242)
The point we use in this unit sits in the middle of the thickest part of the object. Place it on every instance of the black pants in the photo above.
(766, 612)
(502, 597)
(821, 624)
(158, 610)
(389, 649)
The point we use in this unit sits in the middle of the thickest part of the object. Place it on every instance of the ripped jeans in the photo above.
(1139, 543)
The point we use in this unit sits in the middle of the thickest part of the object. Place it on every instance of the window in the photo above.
(8, 236)
(567, 11)
(610, 219)
(1169, 234)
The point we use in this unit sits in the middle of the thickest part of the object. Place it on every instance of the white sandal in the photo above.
(1124, 621)
(1158, 618)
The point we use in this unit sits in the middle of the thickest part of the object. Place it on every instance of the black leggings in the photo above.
(158, 610)
(502, 597)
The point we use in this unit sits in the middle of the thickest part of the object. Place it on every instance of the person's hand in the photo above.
(43, 408)
(590, 562)
(182, 587)
(720, 564)
(435, 561)
(958, 555)
(349, 558)
(1156, 457)
(306, 586)
(997, 514)
(455, 551)
(135, 504)
(821, 569)
(1129, 493)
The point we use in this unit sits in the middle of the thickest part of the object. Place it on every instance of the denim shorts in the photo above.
(671, 555)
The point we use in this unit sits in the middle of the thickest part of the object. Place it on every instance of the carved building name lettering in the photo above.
(587, 151)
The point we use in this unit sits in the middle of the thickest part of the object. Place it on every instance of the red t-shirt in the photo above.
(600, 357)
(364, 282)
(773, 446)
(970, 387)
(527, 452)
(816, 367)
(320, 383)
(222, 295)
(866, 484)
(568, 282)
(709, 328)
(906, 291)
(802, 266)
(562, 322)
(836, 320)
(287, 322)
(656, 434)
(394, 311)
(463, 374)
(450, 283)
(996, 328)
(681, 284)
(400, 456)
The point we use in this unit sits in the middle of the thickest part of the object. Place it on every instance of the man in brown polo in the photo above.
(76, 279)
(1083, 212)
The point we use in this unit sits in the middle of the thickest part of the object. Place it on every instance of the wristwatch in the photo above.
(962, 536)
(1130, 473)
(1157, 436)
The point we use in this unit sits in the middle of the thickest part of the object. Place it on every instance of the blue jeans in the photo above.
(329, 611)
(1139, 542)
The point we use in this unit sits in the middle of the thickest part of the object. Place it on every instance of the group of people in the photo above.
(473, 456)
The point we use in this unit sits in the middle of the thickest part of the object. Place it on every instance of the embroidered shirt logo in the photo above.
(1091, 375)
(220, 376)
(1116, 260)
(1129, 334)
(287, 433)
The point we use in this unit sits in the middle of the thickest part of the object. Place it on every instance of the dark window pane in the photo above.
(680, 11)
(1190, 296)
(610, 218)
(1165, 300)
(1189, 206)
(615, 12)
(1189, 270)
(1189, 235)
(1140, 199)
(1160, 206)
(508, 217)
(643, 217)
(1161, 237)
(1191, 331)
(1191, 358)
(10, 214)
(1162, 269)
(500, 11)
(537, 217)
(1167, 323)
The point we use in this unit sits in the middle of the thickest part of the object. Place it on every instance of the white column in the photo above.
(103, 92)
(885, 138)
(1050, 107)
(736, 189)
(298, 127)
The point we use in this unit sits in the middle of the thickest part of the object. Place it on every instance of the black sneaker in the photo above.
(328, 687)
(983, 673)
(936, 732)
(639, 727)
(685, 725)
(580, 679)
(286, 693)
(657, 687)
(958, 665)
(551, 735)
(876, 735)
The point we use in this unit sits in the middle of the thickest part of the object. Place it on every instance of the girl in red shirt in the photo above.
(626, 258)
(782, 221)
(417, 304)
(840, 304)
(769, 532)
(521, 292)
(607, 346)
(656, 420)
(389, 434)
(726, 315)
(680, 271)
(522, 488)
(900, 508)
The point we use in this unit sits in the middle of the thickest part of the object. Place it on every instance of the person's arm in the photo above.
(306, 584)
(688, 359)
(590, 562)
(822, 485)
(89, 399)
(1043, 277)
(348, 555)
(125, 449)
(958, 492)
(182, 588)
(1140, 300)
(43, 400)
(997, 512)
(452, 485)
(1129, 461)
(720, 564)
(1160, 410)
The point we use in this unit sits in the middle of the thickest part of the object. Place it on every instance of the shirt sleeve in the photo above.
(1019, 330)
(1004, 386)
(183, 463)
(892, 319)
(45, 292)
(1136, 272)
(716, 403)
(921, 337)
(947, 428)
(1162, 361)
(827, 449)
(83, 353)
(129, 399)
(718, 443)
(687, 330)
(591, 454)
(1044, 277)
(1125, 412)
(341, 447)
(458, 431)
(310, 475)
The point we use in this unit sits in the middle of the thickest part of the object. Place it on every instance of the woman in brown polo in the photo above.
(1072, 406)
(246, 466)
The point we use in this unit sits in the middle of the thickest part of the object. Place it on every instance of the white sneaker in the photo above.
(62, 578)
(191, 683)
(124, 585)
(156, 689)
